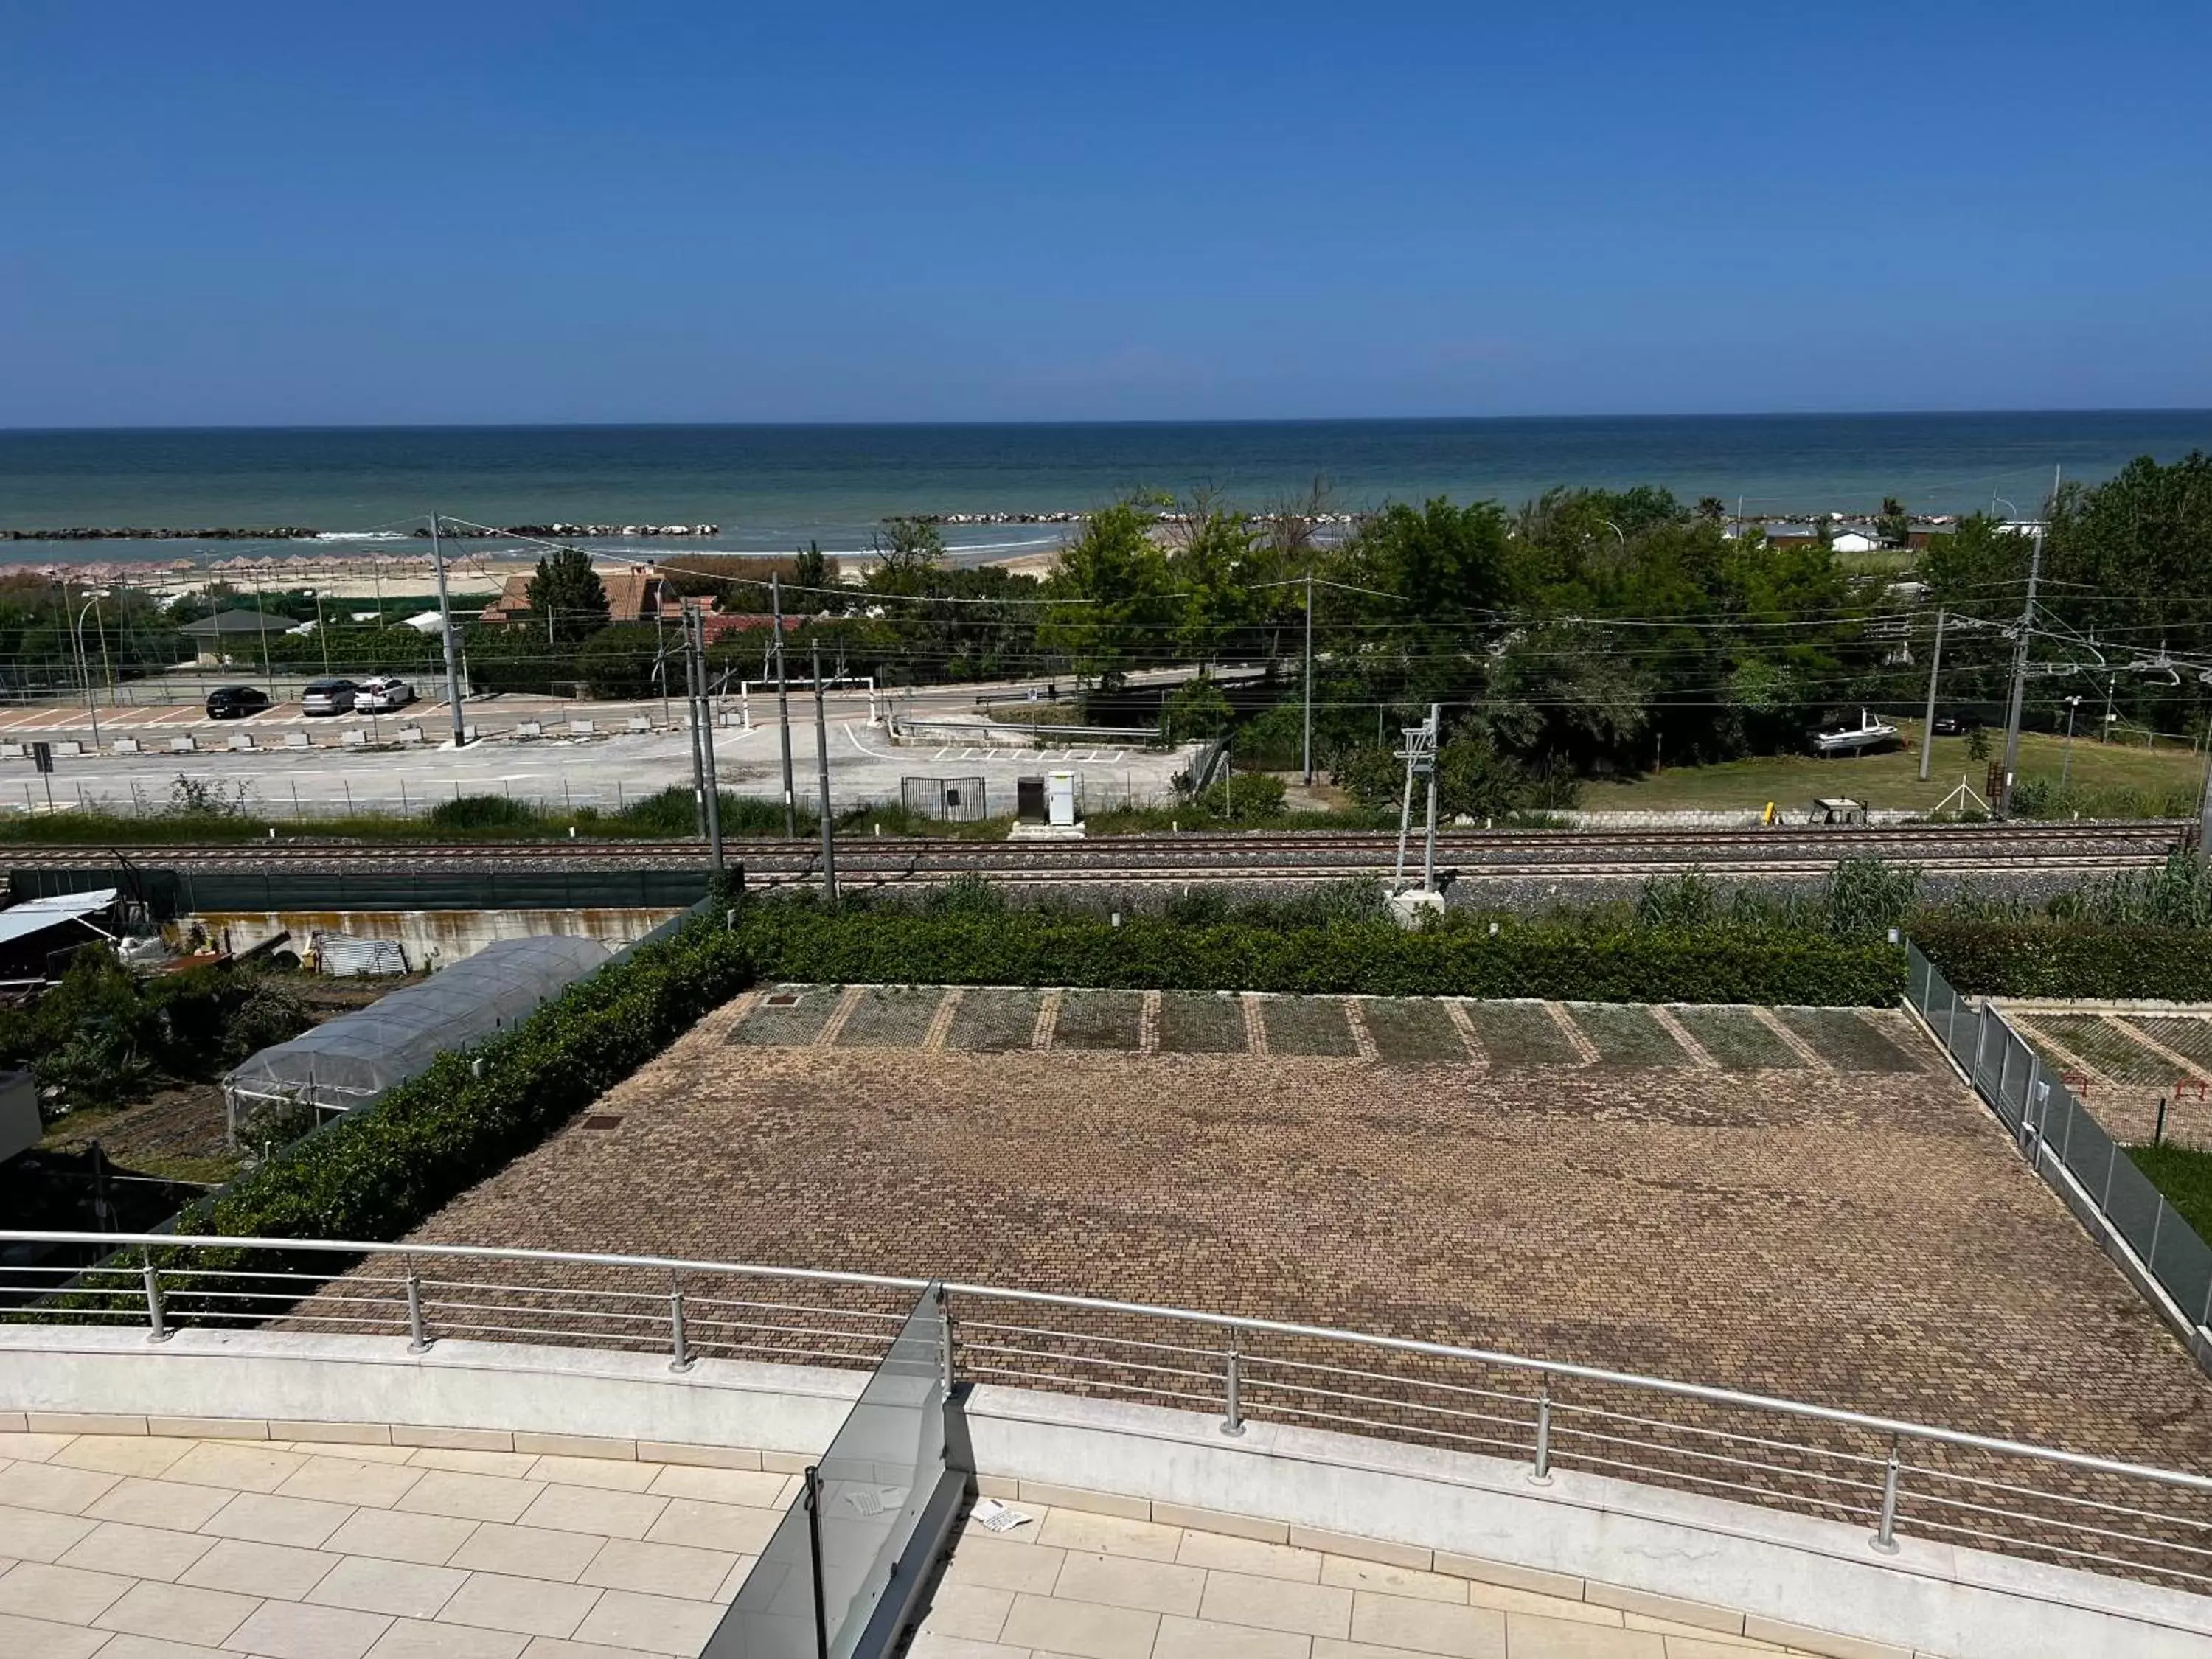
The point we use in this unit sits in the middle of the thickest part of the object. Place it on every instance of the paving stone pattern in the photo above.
(1868, 1240)
(2124, 1063)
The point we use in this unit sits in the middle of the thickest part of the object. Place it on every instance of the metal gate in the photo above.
(949, 800)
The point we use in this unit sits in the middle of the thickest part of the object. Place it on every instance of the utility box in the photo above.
(20, 1128)
(1059, 799)
(1028, 800)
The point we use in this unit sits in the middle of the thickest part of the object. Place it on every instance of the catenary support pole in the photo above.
(712, 792)
(446, 634)
(2004, 803)
(691, 728)
(822, 767)
(1308, 747)
(1928, 721)
(1429, 852)
(782, 704)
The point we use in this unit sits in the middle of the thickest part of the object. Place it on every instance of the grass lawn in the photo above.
(891, 1016)
(1202, 1023)
(994, 1021)
(1412, 1031)
(1624, 1034)
(1892, 780)
(1099, 1019)
(789, 1024)
(1738, 1040)
(1307, 1025)
(1847, 1042)
(1520, 1033)
(2105, 1046)
(2184, 1176)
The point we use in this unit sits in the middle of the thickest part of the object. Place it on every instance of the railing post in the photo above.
(1540, 1475)
(1233, 1389)
(1884, 1535)
(813, 1479)
(418, 1337)
(945, 1341)
(679, 1344)
(158, 1329)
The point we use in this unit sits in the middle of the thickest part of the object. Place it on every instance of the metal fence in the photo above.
(1890, 1477)
(2056, 1133)
(948, 800)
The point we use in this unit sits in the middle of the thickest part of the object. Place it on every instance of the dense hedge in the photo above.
(1376, 958)
(2071, 959)
(379, 1172)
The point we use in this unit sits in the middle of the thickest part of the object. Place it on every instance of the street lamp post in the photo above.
(84, 666)
(2066, 765)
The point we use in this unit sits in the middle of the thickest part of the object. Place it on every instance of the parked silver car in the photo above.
(328, 698)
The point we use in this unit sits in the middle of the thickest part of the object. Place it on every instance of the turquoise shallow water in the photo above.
(772, 487)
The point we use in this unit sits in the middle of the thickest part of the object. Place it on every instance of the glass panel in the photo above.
(2183, 1264)
(2090, 1156)
(773, 1617)
(878, 1475)
(2134, 1206)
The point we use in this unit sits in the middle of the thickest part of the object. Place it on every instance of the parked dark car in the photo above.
(235, 702)
(328, 698)
(1957, 725)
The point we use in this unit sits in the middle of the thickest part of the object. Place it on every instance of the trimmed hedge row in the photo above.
(1372, 958)
(380, 1172)
(2073, 960)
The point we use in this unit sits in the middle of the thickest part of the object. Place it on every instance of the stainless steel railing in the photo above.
(1893, 1477)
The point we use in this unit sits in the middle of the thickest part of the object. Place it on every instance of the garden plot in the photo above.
(1515, 1034)
(1110, 1020)
(890, 1017)
(787, 1016)
(1737, 1039)
(1203, 1022)
(993, 1021)
(1412, 1031)
(1625, 1034)
(1856, 1040)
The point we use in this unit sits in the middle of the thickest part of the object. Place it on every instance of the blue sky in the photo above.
(696, 210)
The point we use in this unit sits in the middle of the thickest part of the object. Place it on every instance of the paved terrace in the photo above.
(1796, 1202)
(155, 1546)
(2122, 1062)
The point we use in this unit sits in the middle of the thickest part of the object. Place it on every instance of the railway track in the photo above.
(1470, 855)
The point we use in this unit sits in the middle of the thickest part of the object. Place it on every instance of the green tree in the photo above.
(906, 550)
(1894, 525)
(567, 593)
(1113, 602)
(1196, 709)
(1214, 569)
(811, 569)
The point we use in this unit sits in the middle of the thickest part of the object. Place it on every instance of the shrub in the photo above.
(486, 812)
(2081, 959)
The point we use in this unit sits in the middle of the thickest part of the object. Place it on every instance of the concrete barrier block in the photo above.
(242, 740)
(13, 751)
(298, 740)
(528, 728)
(640, 723)
(183, 746)
(352, 737)
(126, 745)
(581, 728)
(410, 734)
(68, 747)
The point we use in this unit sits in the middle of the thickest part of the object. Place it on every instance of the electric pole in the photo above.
(2019, 658)
(1928, 723)
(821, 765)
(782, 707)
(1419, 755)
(1309, 720)
(703, 720)
(1429, 856)
(445, 633)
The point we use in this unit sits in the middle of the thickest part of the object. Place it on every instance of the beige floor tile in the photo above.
(121, 1454)
(528, 1553)
(1080, 1629)
(241, 1464)
(56, 1491)
(41, 1535)
(614, 1473)
(1845, 1647)
(459, 1461)
(406, 1589)
(137, 1552)
(735, 1580)
(1400, 1621)
(1507, 1600)
(973, 1611)
(532, 1606)
(356, 1451)
(1351, 1574)
(1710, 1645)
(1000, 1566)
(266, 1519)
(710, 1526)
(547, 1647)
(1675, 1627)
(627, 1564)
(1194, 1638)
(409, 1639)
(175, 1613)
(1215, 1549)
(41, 1639)
(391, 1536)
(1327, 1647)
(169, 1503)
(1125, 1581)
(593, 1508)
(1109, 1534)
(468, 1497)
(1236, 1598)
(32, 1448)
(928, 1645)
(1527, 1637)
(290, 1629)
(754, 1488)
(68, 1596)
(251, 1568)
(655, 1624)
(350, 1481)
(153, 1647)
